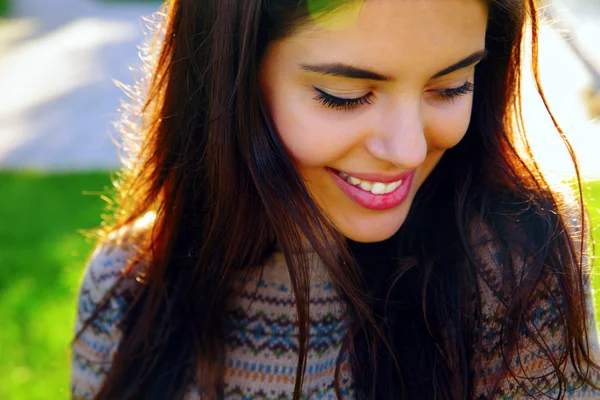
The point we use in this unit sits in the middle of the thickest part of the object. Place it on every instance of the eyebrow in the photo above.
(465, 62)
(348, 71)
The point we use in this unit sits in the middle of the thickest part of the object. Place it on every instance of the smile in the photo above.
(369, 186)
(374, 191)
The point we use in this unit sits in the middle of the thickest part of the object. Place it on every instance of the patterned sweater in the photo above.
(262, 344)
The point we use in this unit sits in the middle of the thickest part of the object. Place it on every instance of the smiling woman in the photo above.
(366, 112)
(325, 201)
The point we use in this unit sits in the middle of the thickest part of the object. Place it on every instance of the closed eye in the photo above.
(340, 103)
(451, 94)
(351, 104)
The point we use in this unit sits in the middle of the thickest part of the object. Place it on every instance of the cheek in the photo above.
(312, 136)
(447, 125)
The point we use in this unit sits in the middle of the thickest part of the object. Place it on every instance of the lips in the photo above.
(374, 191)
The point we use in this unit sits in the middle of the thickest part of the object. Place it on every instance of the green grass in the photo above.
(591, 191)
(42, 257)
(41, 260)
(4, 7)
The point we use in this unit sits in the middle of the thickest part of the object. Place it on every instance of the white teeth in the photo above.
(353, 181)
(378, 188)
(364, 185)
(373, 187)
(392, 186)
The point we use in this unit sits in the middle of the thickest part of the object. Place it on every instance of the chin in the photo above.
(372, 231)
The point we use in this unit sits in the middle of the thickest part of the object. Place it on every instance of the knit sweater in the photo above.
(261, 343)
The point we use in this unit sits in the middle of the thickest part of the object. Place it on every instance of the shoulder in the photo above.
(521, 287)
(107, 272)
(106, 291)
(506, 251)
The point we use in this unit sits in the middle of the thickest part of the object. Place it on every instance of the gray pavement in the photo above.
(58, 60)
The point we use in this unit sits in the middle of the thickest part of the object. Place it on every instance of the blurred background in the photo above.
(58, 63)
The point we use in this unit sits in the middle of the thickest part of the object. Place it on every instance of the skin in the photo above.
(408, 123)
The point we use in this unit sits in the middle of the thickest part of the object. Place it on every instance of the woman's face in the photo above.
(366, 107)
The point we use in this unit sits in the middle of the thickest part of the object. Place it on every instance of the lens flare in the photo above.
(335, 15)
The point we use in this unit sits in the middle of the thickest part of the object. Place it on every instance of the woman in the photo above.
(327, 201)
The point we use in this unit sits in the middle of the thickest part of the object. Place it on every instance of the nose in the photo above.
(399, 137)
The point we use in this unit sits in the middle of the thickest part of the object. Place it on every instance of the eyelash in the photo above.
(451, 94)
(351, 104)
(339, 103)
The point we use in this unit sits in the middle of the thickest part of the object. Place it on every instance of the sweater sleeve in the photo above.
(535, 375)
(94, 348)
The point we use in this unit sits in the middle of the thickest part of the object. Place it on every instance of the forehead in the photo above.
(393, 36)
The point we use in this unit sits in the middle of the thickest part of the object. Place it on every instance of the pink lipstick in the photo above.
(374, 191)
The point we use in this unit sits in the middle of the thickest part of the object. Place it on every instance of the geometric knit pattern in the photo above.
(544, 317)
(94, 350)
(261, 340)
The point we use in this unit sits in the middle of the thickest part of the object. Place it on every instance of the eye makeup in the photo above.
(451, 94)
(351, 104)
(340, 103)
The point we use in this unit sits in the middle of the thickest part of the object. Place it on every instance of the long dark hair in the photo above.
(210, 167)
